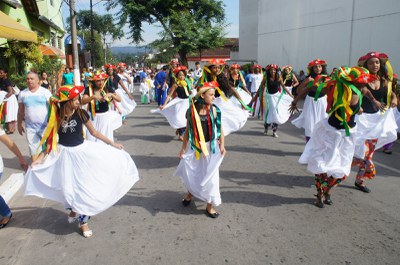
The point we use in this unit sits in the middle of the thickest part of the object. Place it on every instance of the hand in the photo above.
(97, 97)
(393, 104)
(181, 153)
(21, 129)
(118, 146)
(130, 96)
(23, 164)
(37, 161)
(380, 105)
(293, 107)
(309, 79)
(162, 107)
(222, 149)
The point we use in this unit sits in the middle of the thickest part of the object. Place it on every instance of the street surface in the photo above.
(267, 212)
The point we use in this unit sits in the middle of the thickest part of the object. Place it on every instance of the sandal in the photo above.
(2, 225)
(72, 219)
(86, 232)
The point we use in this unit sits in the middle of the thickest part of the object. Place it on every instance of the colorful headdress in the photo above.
(341, 86)
(235, 66)
(381, 56)
(275, 66)
(108, 66)
(195, 129)
(316, 62)
(215, 62)
(99, 77)
(287, 66)
(257, 66)
(49, 139)
(121, 65)
(179, 68)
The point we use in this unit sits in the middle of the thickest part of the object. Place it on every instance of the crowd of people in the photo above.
(346, 116)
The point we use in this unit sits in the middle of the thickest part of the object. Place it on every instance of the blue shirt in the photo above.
(160, 78)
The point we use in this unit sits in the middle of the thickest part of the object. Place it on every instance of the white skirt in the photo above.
(397, 117)
(233, 117)
(313, 112)
(89, 178)
(201, 177)
(126, 105)
(375, 126)
(329, 150)
(105, 123)
(175, 112)
(244, 95)
(277, 112)
(12, 108)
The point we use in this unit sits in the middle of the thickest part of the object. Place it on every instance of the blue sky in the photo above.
(150, 31)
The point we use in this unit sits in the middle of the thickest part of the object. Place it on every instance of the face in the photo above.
(215, 69)
(2, 74)
(110, 71)
(209, 96)
(75, 102)
(99, 83)
(286, 70)
(373, 65)
(317, 69)
(32, 80)
(67, 70)
(272, 71)
(197, 66)
(181, 75)
(44, 76)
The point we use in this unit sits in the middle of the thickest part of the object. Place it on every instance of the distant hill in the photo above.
(129, 50)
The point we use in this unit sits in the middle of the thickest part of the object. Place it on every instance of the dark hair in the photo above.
(382, 73)
(165, 67)
(4, 70)
(276, 77)
(197, 63)
(314, 75)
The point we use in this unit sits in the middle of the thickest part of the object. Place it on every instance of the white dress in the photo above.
(105, 123)
(381, 126)
(233, 117)
(201, 177)
(313, 112)
(329, 150)
(126, 105)
(277, 108)
(175, 112)
(12, 108)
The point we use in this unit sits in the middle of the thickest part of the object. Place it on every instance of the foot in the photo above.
(327, 199)
(180, 138)
(265, 132)
(387, 151)
(187, 200)
(210, 211)
(319, 202)
(362, 187)
(86, 232)
(274, 135)
(4, 222)
(72, 217)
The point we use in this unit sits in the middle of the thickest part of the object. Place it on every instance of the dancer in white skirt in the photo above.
(235, 78)
(329, 152)
(274, 100)
(200, 160)
(289, 78)
(85, 176)
(175, 110)
(127, 104)
(314, 108)
(10, 103)
(377, 125)
(98, 97)
(234, 117)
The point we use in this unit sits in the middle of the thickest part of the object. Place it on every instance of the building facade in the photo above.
(298, 31)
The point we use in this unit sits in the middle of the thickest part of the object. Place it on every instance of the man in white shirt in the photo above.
(33, 105)
(197, 73)
(255, 79)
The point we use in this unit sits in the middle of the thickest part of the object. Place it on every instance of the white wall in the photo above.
(298, 31)
(248, 21)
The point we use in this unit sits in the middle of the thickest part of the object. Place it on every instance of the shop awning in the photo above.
(52, 51)
(10, 29)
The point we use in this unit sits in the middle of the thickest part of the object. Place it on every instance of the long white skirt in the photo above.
(126, 105)
(175, 112)
(313, 112)
(277, 112)
(397, 117)
(89, 178)
(244, 95)
(375, 126)
(12, 108)
(201, 177)
(329, 150)
(105, 123)
(233, 117)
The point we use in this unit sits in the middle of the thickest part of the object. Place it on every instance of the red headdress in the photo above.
(180, 68)
(381, 56)
(275, 66)
(235, 66)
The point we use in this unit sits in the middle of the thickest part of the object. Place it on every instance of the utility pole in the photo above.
(91, 34)
(74, 38)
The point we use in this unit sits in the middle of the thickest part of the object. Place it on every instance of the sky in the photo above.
(150, 31)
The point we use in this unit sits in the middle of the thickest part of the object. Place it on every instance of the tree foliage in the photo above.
(188, 25)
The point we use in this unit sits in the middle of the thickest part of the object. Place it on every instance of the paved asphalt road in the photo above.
(267, 211)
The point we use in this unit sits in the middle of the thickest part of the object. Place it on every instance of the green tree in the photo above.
(188, 25)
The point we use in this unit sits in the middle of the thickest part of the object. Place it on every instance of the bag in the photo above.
(16, 90)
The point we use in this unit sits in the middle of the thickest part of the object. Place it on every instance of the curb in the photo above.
(11, 186)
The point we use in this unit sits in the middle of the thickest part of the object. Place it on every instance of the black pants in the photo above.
(274, 126)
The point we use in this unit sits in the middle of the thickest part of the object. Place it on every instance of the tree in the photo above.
(188, 25)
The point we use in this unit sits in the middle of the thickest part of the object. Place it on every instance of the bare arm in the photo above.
(184, 141)
(7, 141)
(21, 115)
(295, 81)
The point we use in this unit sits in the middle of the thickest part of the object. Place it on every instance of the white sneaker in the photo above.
(274, 135)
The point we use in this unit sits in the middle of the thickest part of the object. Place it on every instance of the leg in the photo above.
(387, 149)
(5, 212)
(266, 126)
(366, 166)
(188, 199)
(274, 129)
(83, 226)
(181, 132)
(332, 182)
(210, 211)
(321, 185)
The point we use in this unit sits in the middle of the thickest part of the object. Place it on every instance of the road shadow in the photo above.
(154, 162)
(276, 179)
(48, 219)
(261, 199)
(159, 138)
(164, 201)
(263, 151)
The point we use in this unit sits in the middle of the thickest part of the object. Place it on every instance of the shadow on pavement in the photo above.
(276, 179)
(264, 151)
(153, 162)
(159, 138)
(47, 219)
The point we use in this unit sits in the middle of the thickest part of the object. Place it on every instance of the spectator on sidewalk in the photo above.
(68, 77)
